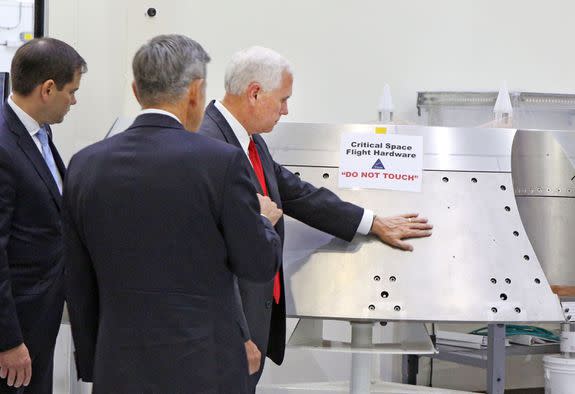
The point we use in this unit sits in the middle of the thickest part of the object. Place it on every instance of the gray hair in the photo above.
(255, 64)
(165, 66)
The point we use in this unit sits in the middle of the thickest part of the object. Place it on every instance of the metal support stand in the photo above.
(409, 368)
(361, 337)
(496, 359)
(568, 340)
(492, 359)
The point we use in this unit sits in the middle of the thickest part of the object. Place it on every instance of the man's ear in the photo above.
(135, 91)
(47, 88)
(253, 91)
(196, 91)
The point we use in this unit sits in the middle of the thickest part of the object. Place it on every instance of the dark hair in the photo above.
(42, 59)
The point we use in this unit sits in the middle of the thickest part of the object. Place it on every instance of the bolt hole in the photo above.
(325, 175)
(502, 187)
(518, 310)
(516, 233)
(376, 278)
(392, 278)
(445, 179)
(384, 294)
(507, 209)
(397, 308)
(494, 310)
(526, 258)
(508, 281)
(372, 307)
(503, 296)
(296, 173)
(537, 280)
(493, 280)
(474, 180)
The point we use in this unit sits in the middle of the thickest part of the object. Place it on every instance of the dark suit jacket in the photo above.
(318, 208)
(31, 265)
(157, 221)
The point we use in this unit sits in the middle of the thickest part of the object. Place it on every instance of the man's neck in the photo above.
(27, 105)
(173, 109)
(238, 109)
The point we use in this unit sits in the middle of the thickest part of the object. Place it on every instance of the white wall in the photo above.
(342, 51)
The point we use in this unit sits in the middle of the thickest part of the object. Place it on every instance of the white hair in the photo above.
(255, 64)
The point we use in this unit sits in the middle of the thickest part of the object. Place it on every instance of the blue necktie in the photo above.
(48, 158)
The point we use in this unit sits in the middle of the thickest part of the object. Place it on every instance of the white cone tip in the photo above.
(385, 100)
(503, 102)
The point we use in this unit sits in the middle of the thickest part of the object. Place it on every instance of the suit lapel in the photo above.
(31, 151)
(230, 138)
(222, 124)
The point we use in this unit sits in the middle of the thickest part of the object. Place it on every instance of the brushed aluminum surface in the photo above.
(543, 180)
(445, 148)
(479, 265)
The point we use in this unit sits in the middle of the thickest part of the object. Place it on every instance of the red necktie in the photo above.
(259, 170)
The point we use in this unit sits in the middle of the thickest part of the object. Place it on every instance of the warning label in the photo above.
(381, 161)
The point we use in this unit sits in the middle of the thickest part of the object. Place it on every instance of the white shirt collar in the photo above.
(239, 130)
(29, 123)
(159, 111)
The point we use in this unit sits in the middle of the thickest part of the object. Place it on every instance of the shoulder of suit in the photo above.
(210, 127)
(216, 143)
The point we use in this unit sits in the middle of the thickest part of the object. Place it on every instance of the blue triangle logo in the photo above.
(378, 165)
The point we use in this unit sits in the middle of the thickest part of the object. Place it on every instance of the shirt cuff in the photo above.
(366, 221)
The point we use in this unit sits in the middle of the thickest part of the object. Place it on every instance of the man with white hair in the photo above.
(258, 84)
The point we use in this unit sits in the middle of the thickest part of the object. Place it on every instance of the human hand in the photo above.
(16, 366)
(393, 230)
(254, 356)
(270, 209)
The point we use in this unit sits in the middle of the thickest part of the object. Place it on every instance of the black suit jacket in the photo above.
(157, 222)
(30, 238)
(316, 207)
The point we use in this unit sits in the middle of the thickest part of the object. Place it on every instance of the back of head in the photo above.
(255, 64)
(42, 59)
(165, 66)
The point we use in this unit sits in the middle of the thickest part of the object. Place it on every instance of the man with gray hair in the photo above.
(258, 85)
(158, 221)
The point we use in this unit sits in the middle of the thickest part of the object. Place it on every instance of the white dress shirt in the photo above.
(159, 111)
(244, 140)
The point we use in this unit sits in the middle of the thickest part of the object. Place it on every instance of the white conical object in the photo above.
(503, 102)
(385, 100)
(385, 105)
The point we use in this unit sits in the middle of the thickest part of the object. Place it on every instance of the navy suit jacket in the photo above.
(157, 222)
(316, 207)
(31, 265)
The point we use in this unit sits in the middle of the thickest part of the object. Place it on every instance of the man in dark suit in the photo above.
(258, 85)
(157, 223)
(45, 76)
